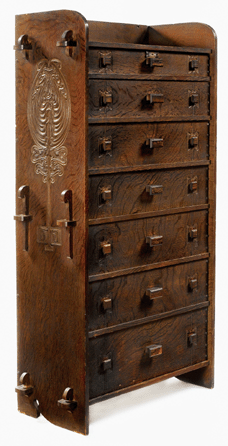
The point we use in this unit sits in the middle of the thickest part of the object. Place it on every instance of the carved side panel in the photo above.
(51, 158)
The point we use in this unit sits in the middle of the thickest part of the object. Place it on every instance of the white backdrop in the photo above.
(171, 412)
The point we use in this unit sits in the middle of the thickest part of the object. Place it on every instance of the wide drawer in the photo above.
(133, 193)
(147, 99)
(135, 296)
(127, 357)
(126, 244)
(126, 145)
(146, 63)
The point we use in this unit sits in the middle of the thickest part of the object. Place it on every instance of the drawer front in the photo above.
(147, 99)
(127, 357)
(132, 193)
(135, 296)
(147, 64)
(116, 246)
(127, 145)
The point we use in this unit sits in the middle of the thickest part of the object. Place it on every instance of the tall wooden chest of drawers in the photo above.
(115, 218)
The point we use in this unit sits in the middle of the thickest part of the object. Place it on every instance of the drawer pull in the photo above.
(193, 186)
(153, 60)
(105, 97)
(192, 338)
(193, 141)
(154, 240)
(106, 194)
(154, 142)
(154, 293)
(192, 283)
(105, 144)
(106, 303)
(106, 248)
(193, 64)
(67, 402)
(105, 59)
(193, 233)
(154, 350)
(106, 364)
(153, 98)
(193, 99)
(153, 190)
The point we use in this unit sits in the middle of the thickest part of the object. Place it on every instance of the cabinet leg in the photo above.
(202, 377)
(28, 406)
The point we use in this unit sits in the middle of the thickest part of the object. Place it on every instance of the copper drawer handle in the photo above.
(105, 98)
(106, 303)
(154, 293)
(193, 233)
(153, 60)
(153, 98)
(154, 240)
(105, 59)
(154, 350)
(106, 194)
(193, 141)
(192, 338)
(106, 248)
(154, 190)
(193, 99)
(105, 145)
(193, 186)
(106, 364)
(154, 142)
(193, 64)
(192, 283)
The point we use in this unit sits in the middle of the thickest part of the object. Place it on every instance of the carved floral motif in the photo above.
(49, 113)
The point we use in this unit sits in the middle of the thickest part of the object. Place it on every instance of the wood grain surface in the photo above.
(129, 360)
(51, 287)
(128, 99)
(129, 148)
(133, 63)
(129, 192)
(128, 241)
(128, 294)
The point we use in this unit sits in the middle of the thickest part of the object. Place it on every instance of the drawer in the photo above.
(130, 356)
(146, 63)
(127, 145)
(127, 244)
(133, 193)
(135, 296)
(147, 99)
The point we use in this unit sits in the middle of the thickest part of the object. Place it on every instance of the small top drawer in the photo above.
(147, 63)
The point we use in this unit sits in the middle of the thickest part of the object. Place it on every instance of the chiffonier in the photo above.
(115, 210)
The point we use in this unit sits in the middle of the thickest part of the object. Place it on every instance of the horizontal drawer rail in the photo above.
(146, 320)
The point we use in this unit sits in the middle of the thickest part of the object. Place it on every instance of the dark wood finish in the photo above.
(129, 99)
(147, 65)
(138, 202)
(128, 241)
(176, 373)
(135, 193)
(129, 298)
(129, 148)
(51, 288)
(130, 362)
